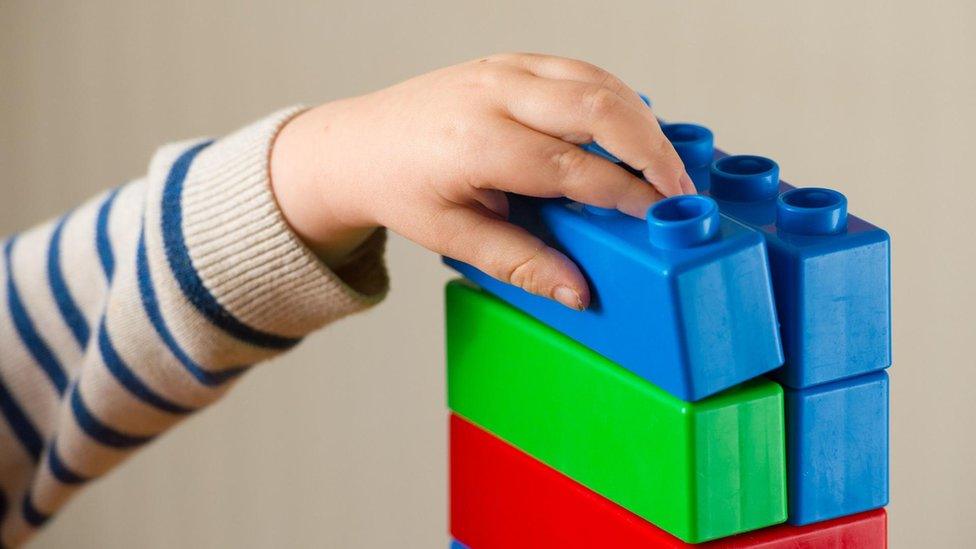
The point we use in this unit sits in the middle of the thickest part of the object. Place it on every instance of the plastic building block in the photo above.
(830, 269)
(682, 300)
(455, 544)
(837, 448)
(695, 145)
(501, 498)
(699, 470)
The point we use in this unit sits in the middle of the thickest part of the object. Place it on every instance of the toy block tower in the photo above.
(728, 376)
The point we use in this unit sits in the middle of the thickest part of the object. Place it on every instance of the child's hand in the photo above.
(432, 157)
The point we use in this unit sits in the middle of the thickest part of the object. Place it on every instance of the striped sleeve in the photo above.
(126, 315)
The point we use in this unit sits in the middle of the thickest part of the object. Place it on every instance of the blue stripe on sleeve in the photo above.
(124, 375)
(97, 430)
(28, 334)
(151, 305)
(19, 423)
(59, 469)
(182, 266)
(31, 514)
(62, 296)
(102, 241)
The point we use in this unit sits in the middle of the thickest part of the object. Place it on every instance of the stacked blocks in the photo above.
(831, 280)
(727, 377)
(686, 306)
(700, 470)
(503, 498)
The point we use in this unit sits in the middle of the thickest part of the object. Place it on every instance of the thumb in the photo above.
(512, 255)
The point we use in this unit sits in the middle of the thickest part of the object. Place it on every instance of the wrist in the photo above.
(309, 188)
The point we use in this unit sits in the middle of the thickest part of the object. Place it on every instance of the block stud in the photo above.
(744, 178)
(694, 144)
(682, 221)
(812, 211)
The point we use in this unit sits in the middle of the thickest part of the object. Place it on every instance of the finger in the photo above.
(687, 184)
(531, 163)
(581, 112)
(564, 68)
(510, 254)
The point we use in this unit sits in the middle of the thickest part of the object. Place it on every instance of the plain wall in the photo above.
(342, 443)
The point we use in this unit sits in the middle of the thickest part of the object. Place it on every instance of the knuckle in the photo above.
(607, 80)
(569, 163)
(613, 83)
(604, 77)
(599, 102)
(593, 72)
(491, 77)
(525, 272)
(661, 143)
(661, 155)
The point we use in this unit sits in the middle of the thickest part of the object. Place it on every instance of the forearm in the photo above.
(158, 296)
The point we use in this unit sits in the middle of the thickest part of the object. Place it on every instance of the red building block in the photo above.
(502, 498)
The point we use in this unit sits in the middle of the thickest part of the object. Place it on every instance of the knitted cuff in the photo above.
(247, 255)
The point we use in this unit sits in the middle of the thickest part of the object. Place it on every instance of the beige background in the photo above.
(873, 99)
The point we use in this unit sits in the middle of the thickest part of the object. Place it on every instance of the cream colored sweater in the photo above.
(144, 305)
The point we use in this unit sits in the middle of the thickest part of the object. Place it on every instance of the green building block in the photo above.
(700, 470)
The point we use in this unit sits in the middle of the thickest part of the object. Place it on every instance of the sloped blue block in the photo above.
(455, 544)
(830, 269)
(837, 448)
(682, 300)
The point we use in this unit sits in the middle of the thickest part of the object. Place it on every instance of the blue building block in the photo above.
(682, 300)
(455, 544)
(831, 270)
(837, 448)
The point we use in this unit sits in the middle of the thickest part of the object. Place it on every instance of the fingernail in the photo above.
(568, 297)
(687, 185)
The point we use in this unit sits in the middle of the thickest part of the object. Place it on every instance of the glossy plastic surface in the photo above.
(830, 269)
(837, 448)
(682, 222)
(699, 470)
(501, 498)
(694, 144)
(693, 315)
